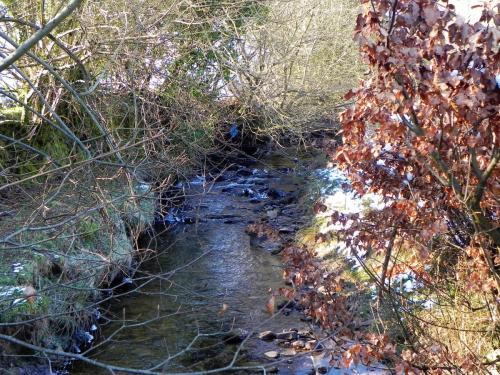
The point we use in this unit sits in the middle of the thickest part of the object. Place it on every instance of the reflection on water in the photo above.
(230, 272)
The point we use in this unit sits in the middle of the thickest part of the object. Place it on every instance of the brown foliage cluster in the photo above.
(262, 231)
(432, 106)
(322, 293)
(422, 134)
(432, 109)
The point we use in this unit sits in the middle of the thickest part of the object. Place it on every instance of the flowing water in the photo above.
(211, 280)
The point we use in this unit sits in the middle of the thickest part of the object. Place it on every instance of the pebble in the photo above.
(299, 344)
(288, 352)
(273, 354)
(283, 343)
(267, 335)
(310, 345)
(305, 333)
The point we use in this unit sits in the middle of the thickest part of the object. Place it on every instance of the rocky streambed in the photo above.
(201, 303)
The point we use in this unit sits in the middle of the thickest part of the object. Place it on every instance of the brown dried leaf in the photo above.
(431, 14)
(271, 305)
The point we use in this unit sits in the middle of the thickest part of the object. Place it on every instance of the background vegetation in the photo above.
(421, 137)
(106, 104)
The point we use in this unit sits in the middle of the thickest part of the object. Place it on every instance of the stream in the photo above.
(212, 279)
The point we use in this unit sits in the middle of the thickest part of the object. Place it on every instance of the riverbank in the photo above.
(64, 257)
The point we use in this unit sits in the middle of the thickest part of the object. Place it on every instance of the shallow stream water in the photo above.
(211, 280)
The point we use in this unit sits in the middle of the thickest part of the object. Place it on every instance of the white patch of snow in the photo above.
(198, 180)
(409, 286)
(10, 291)
(143, 187)
(428, 304)
(89, 337)
(17, 267)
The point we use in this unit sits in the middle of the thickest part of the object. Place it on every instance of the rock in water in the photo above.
(288, 352)
(267, 335)
(287, 303)
(287, 335)
(299, 344)
(275, 193)
(235, 336)
(272, 214)
(273, 354)
(276, 251)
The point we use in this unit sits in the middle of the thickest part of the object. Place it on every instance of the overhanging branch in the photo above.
(39, 35)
